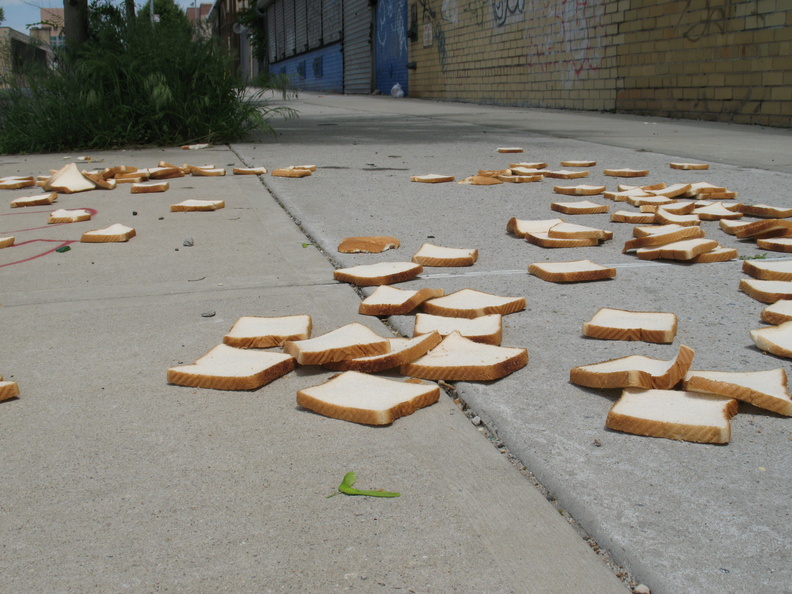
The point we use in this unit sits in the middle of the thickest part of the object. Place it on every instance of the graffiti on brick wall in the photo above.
(711, 19)
(574, 38)
(438, 35)
(392, 27)
(505, 11)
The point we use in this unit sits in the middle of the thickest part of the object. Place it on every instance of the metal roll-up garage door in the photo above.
(357, 47)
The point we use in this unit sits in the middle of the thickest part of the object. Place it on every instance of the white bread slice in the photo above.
(716, 212)
(572, 231)
(195, 147)
(544, 240)
(227, 368)
(626, 172)
(481, 180)
(390, 301)
(521, 228)
(8, 389)
(62, 215)
(249, 170)
(778, 312)
(701, 188)
(207, 171)
(766, 291)
(639, 201)
(581, 207)
(41, 200)
(571, 272)
(432, 178)
(776, 340)
(68, 180)
(685, 416)
(779, 270)
(290, 172)
(6, 241)
(251, 332)
(469, 303)
(647, 230)
(384, 273)
(680, 207)
(520, 179)
(510, 149)
(403, 350)
(623, 195)
(635, 371)
(493, 172)
(775, 244)
(101, 182)
(484, 329)
(660, 237)
(685, 250)
(719, 254)
(665, 217)
(374, 244)
(671, 191)
(619, 324)
(367, 399)
(347, 342)
(16, 183)
(112, 234)
(732, 227)
(460, 359)
(764, 228)
(435, 255)
(168, 172)
(636, 218)
(131, 180)
(578, 163)
(689, 166)
(765, 389)
(528, 165)
(149, 187)
(193, 205)
(564, 174)
(582, 190)
(528, 172)
(766, 210)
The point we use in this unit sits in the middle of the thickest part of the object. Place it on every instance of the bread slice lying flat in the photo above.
(775, 244)
(626, 172)
(384, 273)
(686, 416)
(765, 210)
(716, 212)
(484, 329)
(636, 218)
(635, 371)
(112, 234)
(586, 163)
(719, 254)
(6, 241)
(670, 235)
(581, 190)
(690, 166)
(777, 313)
(765, 389)
(679, 250)
(227, 368)
(732, 227)
(435, 255)
(390, 301)
(766, 291)
(564, 174)
(764, 228)
(347, 342)
(522, 228)
(40, 200)
(571, 272)
(8, 389)
(290, 172)
(664, 217)
(776, 340)
(367, 399)
(469, 303)
(250, 332)
(403, 350)
(457, 358)
(582, 207)
(671, 191)
(197, 205)
(573, 231)
(544, 240)
(619, 324)
(16, 183)
(249, 170)
(62, 215)
(367, 245)
(432, 178)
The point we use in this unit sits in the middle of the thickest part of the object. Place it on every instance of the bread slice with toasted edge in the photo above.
(764, 228)
(528, 165)
(195, 147)
(764, 389)
(716, 212)
(626, 172)
(765, 210)
(665, 217)
(573, 231)
(647, 230)
(775, 244)
(460, 359)
(384, 273)
(403, 350)
(671, 191)
(521, 228)
(778, 270)
(439, 256)
(520, 179)
(619, 324)
(635, 218)
(374, 244)
(766, 291)
(703, 187)
(582, 190)
(544, 240)
(496, 173)
(432, 178)
(68, 180)
(672, 414)
(581, 207)
(41, 200)
(684, 251)
(250, 170)
(290, 172)
(207, 171)
(62, 215)
(484, 329)
(252, 332)
(194, 205)
(634, 371)
(564, 174)
(16, 184)
(577, 271)
(227, 368)
(776, 340)
(390, 301)
(469, 303)
(689, 166)
(99, 180)
(480, 180)
(719, 254)
(149, 187)
(367, 399)
(732, 227)
(8, 389)
(510, 149)
(777, 313)
(578, 163)
(347, 342)
(161, 173)
(116, 233)
(670, 235)
(528, 172)
(6, 241)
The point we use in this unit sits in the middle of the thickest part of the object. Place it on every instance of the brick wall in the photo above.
(728, 60)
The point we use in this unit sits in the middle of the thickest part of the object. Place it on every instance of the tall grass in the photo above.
(133, 83)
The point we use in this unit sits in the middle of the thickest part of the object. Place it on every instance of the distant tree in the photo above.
(2, 14)
(75, 22)
(168, 11)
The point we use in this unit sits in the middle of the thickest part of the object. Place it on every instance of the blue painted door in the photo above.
(390, 48)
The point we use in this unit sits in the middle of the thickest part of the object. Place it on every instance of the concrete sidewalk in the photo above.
(114, 480)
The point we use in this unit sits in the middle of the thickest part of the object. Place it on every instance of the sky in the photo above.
(20, 13)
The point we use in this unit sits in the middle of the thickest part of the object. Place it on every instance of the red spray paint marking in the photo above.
(93, 212)
(61, 243)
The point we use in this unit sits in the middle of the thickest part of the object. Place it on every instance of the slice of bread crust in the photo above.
(62, 215)
(249, 170)
(42, 200)
(8, 389)
(685, 416)
(460, 359)
(150, 187)
(582, 207)
(439, 256)
(290, 172)
(384, 273)
(764, 389)
(367, 399)
(227, 368)
(116, 233)
(403, 350)
(578, 163)
(582, 190)
(626, 172)
(764, 228)
(510, 149)
(671, 235)
(197, 205)
(17, 184)
(374, 244)
(719, 254)
(571, 272)
(777, 313)
(251, 332)
(573, 231)
(775, 244)
(776, 340)
(6, 241)
(766, 291)
(522, 228)
(636, 218)
(544, 240)
(685, 250)
(469, 303)
(484, 329)
(634, 371)
(619, 324)
(564, 174)
(347, 342)
(432, 178)
(689, 166)
(765, 210)
(390, 301)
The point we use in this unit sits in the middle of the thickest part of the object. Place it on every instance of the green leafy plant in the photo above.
(754, 257)
(347, 489)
